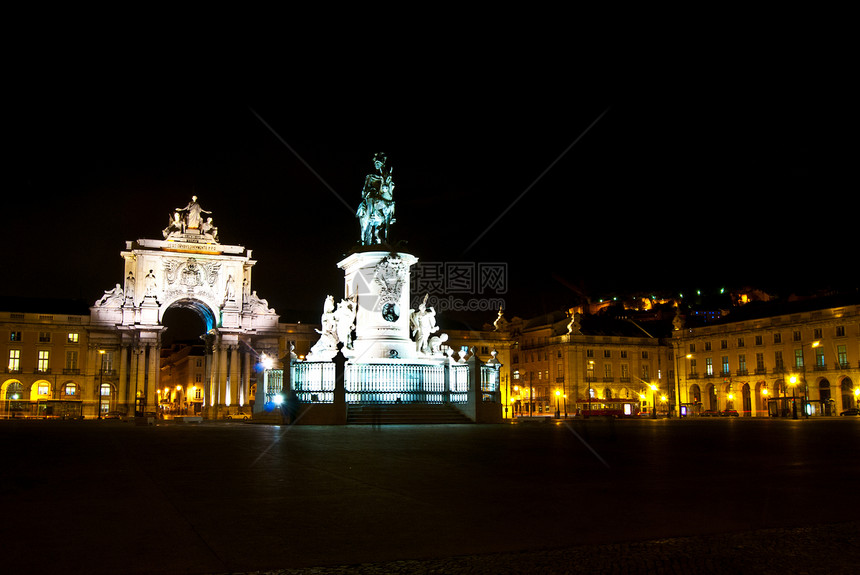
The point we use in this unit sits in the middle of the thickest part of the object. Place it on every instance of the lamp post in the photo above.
(765, 393)
(653, 401)
(557, 395)
(793, 381)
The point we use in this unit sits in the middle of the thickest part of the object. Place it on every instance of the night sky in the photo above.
(577, 187)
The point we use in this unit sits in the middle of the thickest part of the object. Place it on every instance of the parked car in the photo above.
(729, 413)
(710, 413)
(239, 415)
(114, 415)
(851, 411)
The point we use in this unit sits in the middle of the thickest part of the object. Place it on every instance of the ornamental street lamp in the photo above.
(653, 401)
(793, 381)
(557, 395)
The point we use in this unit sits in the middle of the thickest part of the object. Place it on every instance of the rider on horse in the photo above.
(377, 206)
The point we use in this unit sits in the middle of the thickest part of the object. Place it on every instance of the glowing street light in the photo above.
(654, 402)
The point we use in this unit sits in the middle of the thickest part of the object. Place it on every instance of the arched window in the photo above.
(14, 391)
(70, 390)
(848, 397)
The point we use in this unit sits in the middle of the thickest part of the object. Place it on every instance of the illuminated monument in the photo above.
(382, 351)
(188, 268)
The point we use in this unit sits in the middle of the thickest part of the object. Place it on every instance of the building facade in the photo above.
(799, 358)
(51, 366)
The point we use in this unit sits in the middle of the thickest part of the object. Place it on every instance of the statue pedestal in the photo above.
(380, 280)
(149, 311)
(230, 314)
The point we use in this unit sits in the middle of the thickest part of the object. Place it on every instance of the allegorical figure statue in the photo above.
(150, 284)
(129, 286)
(192, 211)
(345, 320)
(112, 298)
(325, 348)
(423, 323)
(376, 211)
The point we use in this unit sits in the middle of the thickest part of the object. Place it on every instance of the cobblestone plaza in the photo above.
(111, 497)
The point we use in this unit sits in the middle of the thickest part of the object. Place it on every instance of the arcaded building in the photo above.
(774, 359)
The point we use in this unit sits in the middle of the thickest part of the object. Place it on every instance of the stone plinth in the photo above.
(380, 281)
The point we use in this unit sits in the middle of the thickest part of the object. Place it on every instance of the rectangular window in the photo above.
(777, 338)
(709, 366)
(71, 360)
(625, 371)
(607, 370)
(15, 336)
(842, 356)
(14, 360)
(759, 363)
(759, 340)
(107, 361)
(43, 362)
(724, 344)
(646, 373)
(819, 357)
(44, 337)
(840, 331)
(725, 365)
(816, 333)
(623, 354)
(73, 338)
(644, 355)
(70, 389)
(198, 377)
(798, 358)
(778, 362)
(740, 342)
(607, 353)
(796, 335)
(692, 348)
(742, 363)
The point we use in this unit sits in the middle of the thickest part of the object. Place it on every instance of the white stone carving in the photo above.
(423, 324)
(112, 298)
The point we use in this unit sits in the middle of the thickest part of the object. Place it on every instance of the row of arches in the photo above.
(23, 399)
(762, 399)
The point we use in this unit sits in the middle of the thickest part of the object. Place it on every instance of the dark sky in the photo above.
(705, 182)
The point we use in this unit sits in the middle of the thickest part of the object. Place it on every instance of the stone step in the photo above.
(404, 414)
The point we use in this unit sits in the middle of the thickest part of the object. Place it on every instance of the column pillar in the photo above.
(236, 397)
(246, 377)
(223, 384)
(122, 392)
(154, 375)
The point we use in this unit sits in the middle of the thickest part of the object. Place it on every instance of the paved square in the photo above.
(110, 497)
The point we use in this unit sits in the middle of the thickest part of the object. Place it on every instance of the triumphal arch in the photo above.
(187, 268)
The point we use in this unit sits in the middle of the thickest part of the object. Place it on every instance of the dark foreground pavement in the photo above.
(626, 497)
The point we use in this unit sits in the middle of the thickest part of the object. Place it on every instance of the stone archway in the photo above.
(712, 404)
(846, 386)
(190, 269)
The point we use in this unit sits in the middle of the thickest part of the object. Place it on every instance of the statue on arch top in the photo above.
(192, 218)
(376, 211)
